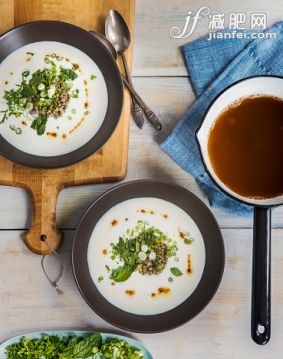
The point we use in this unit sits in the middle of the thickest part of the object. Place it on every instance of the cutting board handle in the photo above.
(43, 226)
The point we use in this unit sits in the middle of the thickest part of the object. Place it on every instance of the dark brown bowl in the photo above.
(84, 41)
(211, 276)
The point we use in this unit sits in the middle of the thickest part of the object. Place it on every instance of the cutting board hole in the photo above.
(43, 237)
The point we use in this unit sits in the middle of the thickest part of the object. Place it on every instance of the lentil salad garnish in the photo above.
(145, 249)
(42, 94)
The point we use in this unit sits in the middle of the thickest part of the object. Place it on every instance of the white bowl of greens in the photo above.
(72, 345)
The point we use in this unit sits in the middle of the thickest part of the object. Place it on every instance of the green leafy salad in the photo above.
(42, 94)
(72, 347)
(145, 249)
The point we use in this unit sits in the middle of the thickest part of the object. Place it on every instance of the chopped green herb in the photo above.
(73, 111)
(170, 279)
(86, 113)
(186, 237)
(17, 130)
(126, 219)
(71, 347)
(70, 118)
(67, 74)
(39, 125)
(27, 91)
(30, 53)
(115, 348)
(188, 241)
(4, 117)
(176, 272)
(75, 93)
(92, 77)
(25, 73)
(100, 279)
(107, 268)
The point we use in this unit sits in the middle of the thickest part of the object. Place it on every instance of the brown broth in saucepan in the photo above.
(245, 147)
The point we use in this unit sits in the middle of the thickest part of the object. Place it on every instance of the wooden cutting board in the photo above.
(109, 164)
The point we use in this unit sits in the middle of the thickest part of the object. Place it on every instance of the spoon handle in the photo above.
(138, 114)
(127, 71)
(150, 115)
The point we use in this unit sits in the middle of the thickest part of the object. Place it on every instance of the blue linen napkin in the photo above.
(213, 65)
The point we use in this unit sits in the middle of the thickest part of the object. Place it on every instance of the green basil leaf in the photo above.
(176, 272)
(121, 274)
(86, 347)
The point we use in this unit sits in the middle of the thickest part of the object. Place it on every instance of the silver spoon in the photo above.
(138, 114)
(113, 52)
(117, 32)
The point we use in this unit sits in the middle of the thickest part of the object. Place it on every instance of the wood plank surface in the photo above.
(154, 20)
(109, 164)
(169, 97)
(221, 331)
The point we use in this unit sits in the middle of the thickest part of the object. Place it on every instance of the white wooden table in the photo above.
(222, 330)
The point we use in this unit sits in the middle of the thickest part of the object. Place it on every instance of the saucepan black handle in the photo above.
(260, 326)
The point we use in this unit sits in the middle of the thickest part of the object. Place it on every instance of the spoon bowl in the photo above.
(117, 31)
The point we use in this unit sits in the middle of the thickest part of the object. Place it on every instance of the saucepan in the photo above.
(261, 301)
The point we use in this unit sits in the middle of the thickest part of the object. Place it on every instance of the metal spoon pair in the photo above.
(117, 40)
